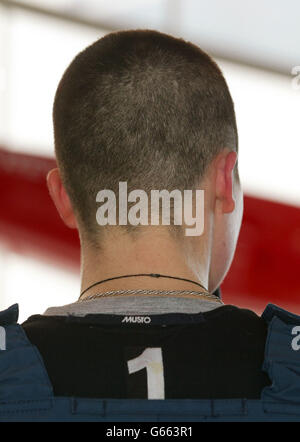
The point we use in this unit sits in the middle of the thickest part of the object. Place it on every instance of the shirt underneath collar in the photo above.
(135, 305)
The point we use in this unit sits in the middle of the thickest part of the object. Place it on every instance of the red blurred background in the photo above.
(264, 270)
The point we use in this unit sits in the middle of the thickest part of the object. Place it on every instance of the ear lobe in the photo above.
(53, 187)
(60, 198)
(224, 181)
(52, 184)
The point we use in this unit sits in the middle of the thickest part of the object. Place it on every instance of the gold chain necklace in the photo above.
(150, 292)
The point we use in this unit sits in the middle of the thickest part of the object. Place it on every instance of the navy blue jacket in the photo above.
(26, 393)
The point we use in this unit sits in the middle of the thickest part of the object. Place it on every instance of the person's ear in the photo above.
(225, 163)
(61, 199)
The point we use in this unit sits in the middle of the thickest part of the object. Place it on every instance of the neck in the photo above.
(121, 254)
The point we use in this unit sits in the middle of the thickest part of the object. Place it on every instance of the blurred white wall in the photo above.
(267, 109)
(34, 284)
(37, 51)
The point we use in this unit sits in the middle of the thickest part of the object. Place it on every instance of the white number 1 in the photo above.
(151, 359)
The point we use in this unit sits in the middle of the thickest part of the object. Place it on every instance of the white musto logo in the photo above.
(138, 214)
(137, 319)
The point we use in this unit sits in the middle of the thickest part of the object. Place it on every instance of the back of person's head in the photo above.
(155, 112)
(140, 107)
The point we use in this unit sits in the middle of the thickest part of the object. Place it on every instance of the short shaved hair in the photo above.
(141, 107)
